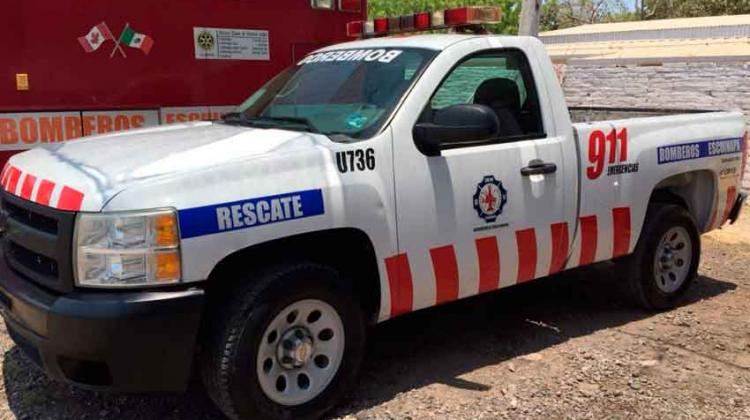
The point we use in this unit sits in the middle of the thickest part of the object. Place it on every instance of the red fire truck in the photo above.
(71, 69)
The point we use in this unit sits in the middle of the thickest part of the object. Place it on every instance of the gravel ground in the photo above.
(564, 347)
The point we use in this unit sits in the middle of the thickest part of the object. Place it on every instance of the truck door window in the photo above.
(346, 94)
(501, 80)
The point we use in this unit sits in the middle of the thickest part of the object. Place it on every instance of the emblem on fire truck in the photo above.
(205, 40)
(489, 199)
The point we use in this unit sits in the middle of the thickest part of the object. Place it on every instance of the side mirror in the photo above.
(456, 125)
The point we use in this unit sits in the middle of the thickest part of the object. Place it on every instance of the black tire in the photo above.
(660, 218)
(235, 334)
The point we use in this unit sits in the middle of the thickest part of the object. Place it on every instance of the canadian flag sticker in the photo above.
(96, 37)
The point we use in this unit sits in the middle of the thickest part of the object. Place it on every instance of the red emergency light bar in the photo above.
(422, 21)
(425, 21)
(381, 25)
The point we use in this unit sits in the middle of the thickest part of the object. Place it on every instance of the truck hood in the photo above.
(84, 174)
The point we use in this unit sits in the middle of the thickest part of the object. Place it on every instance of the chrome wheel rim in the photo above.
(673, 259)
(300, 352)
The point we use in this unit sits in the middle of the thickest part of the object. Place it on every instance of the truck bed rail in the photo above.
(591, 114)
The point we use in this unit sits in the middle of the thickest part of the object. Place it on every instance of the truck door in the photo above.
(474, 219)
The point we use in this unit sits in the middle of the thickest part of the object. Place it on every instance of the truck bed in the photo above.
(696, 156)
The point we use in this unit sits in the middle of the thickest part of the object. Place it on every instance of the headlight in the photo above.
(127, 249)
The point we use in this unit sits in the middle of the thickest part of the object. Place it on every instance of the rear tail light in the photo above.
(424, 21)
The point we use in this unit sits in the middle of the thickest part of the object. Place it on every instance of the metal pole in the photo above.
(529, 24)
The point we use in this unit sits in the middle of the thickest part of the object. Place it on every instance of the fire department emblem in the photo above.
(490, 198)
(206, 40)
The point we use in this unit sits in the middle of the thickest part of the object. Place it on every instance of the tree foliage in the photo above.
(391, 8)
(559, 14)
(666, 9)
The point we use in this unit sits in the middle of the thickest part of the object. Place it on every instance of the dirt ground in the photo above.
(564, 347)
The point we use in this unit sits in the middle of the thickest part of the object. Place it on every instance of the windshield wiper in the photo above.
(242, 119)
(296, 120)
(235, 117)
(340, 136)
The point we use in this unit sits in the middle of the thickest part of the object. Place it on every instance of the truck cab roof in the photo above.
(435, 42)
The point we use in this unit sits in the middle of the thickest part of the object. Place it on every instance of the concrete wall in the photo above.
(720, 86)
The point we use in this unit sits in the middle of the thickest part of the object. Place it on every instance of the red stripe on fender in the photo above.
(28, 186)
(6, 173)
(731, 195)
(399, 280)
(489, 263)
(70, 199)
(621, 231)
(446, 273)
(14, 174)
(44, 193)
(589, 236)
(526, 242)
(560, 243)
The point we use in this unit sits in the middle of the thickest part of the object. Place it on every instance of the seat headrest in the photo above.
(498, 93)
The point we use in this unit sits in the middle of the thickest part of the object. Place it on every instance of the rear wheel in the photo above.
(287, 346)
(665, 261)
(672, 260)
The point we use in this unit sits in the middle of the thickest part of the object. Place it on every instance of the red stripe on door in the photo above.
(44, 193)
(14, 174)
(446, 273)
(560, 243)
(526, 242)
(70, 199)
(489, 263)
(28, 186)
(621, 231)
(731, 195)
(400, 283)
(589, 235)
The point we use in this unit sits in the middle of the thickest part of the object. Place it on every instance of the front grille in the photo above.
(35, 220)
(33, 260)
(38, 242)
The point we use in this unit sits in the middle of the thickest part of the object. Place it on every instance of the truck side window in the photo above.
(501, 80)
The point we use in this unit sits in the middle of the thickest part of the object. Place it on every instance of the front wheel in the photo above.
(665, 261)
(287, 347)
(301, 353)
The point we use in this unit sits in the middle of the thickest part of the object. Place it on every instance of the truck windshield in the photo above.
(346, 94)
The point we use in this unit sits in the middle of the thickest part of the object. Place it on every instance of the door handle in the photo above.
(538, 167)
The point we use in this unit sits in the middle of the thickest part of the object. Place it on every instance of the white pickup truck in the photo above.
(371, 179)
